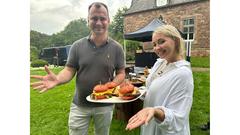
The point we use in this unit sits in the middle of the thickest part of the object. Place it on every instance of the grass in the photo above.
(49, 111)
(200, 112)
(203, 62)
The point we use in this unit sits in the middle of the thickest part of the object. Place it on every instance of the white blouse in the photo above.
(169, 87)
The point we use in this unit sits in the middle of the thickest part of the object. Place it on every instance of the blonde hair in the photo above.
(171, 32)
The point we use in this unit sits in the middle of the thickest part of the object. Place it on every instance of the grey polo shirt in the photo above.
(93, 65)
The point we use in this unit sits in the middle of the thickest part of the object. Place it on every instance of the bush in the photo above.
(39, 63)
(131, 47)
(33, 53)
(130, 57)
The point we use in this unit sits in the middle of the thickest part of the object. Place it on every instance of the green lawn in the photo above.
(49, 111)
(200, 112)
(200, 62)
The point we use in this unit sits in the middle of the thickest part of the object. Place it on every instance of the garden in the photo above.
(49, 111)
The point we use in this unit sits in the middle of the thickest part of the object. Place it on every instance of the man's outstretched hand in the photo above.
(45, 82)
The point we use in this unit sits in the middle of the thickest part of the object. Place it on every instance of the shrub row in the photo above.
(39, 63)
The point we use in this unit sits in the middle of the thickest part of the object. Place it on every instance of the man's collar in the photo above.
(89, 39)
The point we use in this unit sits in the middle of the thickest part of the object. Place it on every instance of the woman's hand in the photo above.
(142, 117)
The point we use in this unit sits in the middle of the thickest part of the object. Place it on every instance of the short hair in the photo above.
(173, 33)
(97, 5)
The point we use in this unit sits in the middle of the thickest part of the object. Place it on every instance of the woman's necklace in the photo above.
(160, 70)
(162, 67)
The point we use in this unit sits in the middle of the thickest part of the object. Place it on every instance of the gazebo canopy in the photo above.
(144, 34)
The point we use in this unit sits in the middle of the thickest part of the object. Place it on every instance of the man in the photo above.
(55, 58)
(93, 59)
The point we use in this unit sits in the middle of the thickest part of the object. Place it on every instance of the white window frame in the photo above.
(188, 41)
(188, 26)
(160, 3)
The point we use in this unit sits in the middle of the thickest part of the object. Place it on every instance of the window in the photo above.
(161, 2)
(188, 29)
(188, 35)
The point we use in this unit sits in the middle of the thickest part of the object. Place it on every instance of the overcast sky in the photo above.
(51, 16)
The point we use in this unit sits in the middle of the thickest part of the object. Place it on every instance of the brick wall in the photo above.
(174, 15)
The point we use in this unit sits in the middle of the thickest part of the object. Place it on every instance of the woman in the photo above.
(169, 85)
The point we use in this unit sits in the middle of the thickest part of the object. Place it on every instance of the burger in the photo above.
(111, 85)
(127, 91)
(103, 91)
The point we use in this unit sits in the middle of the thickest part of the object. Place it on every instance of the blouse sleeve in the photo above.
(178, 108)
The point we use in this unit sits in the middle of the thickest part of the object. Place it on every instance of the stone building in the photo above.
(192, 17)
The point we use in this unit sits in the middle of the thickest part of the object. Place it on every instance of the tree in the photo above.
(33, 53)
(39, 40)
(75, 30)
(116, 27)
(116, 32)
(57, 40)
